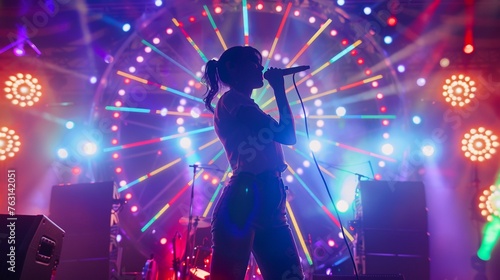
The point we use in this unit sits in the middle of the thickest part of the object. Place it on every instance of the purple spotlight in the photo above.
(19, 51)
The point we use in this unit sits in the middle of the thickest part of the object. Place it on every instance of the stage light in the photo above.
(181, 129)
(315, 146)
(331, 242)
(388, 39)
(306, 163)
(260, 6)
(126, 27)
(93, 80)
(62, 153)
(89, 148)
(185, 142)
(333, 33)
(360, 61)
(367, 10)
(218, 10)
(114, 128)
(340, 111)
(386, 135)
(428, 150)
(468, 49)
(279, 8)
(489, 202)
(69, 125)
(380, 95)
(118, 238)
(134, 209)
(459, 90)
(385, 122)
(342, 206)
(122, 183)
(115, 156)
(215, 181)
(195, 112)
(206, 176)
(76, 170)
(299, 171)
(158, 3)
(401, 68)
(318, 132)
(312, 20)
(381, 163)
(180, 109)
(479, 144)
(392, 21)
(156, 40)
(444, 62)
(416, 120)
(19, 50)
(163, 112)
(421, 82)
(23, 90)
(163, 241)
(192, 19)
(180, 121)
(9, 143)
(169, 31)
(341, 2)
(383, 109)
(296, 13)
(387, 149)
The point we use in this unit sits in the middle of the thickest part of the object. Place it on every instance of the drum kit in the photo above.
(197, 266)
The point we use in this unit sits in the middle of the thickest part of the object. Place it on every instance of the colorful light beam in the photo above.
(214, 26)
(245, 22)
(144, 81)
(156, 140)
(170, 59)
(299, 233)
(190, 40)
(329, 62)
(164, 208)
(149, 175)
(278, 35)
(297, 56)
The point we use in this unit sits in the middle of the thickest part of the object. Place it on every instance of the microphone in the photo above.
(288, 71)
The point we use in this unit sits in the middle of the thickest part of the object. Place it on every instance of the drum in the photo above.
(199, 274)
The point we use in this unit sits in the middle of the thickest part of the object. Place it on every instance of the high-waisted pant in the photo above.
(250, 216)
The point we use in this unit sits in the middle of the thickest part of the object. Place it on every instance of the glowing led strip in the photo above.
(190, 40)
(245, 21)
(164, 208)
(299, 234)
(311, 40)
(170, 59)
(146, 142)
(329, 62)
(214, 26)
(144, 81)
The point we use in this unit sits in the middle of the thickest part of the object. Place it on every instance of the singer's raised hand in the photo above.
(275, 77)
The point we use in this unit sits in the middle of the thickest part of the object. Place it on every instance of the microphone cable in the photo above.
(324, 181)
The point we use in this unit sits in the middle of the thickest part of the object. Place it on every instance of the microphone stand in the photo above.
(176, 261)
(350, 172)
(187, 253)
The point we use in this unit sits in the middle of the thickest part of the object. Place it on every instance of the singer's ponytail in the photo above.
(213, 83)
(217, 73)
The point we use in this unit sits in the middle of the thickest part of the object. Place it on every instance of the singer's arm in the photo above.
(282, 131)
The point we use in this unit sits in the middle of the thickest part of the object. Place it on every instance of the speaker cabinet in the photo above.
(31, 246)
(85, 212)
(391, 229)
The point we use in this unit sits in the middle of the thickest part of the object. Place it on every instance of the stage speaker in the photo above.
(391, 229)
(31, 247)
(84, 211)
(361, 277)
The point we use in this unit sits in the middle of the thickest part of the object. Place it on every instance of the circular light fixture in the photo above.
(9, 143)
(23, 90)
(479, 144)
(489, 202)
(459, 90)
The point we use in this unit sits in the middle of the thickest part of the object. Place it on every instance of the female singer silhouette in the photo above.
(250, 215)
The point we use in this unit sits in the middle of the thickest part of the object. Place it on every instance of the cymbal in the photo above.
(202, 221)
